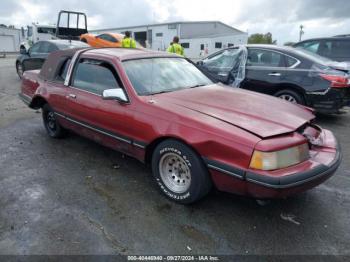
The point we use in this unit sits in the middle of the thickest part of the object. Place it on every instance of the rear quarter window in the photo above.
(290, 61)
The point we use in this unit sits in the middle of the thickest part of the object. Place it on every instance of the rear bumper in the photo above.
(329, 102)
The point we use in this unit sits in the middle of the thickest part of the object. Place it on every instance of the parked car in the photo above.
(37, 54)
(335, 48)
(103, 40)
(295, 75)
(162, 110)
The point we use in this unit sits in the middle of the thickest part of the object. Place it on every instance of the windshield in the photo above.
(158, 75)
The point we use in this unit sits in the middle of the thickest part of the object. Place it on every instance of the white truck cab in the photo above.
(37, 32)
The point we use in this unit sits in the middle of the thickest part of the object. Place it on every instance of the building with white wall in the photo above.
(198, 38)
(10, 39)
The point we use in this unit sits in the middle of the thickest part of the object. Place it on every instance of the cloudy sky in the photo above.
(280, 17)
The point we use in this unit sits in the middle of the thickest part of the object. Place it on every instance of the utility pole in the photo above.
(301, 32)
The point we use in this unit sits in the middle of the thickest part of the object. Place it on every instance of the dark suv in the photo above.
(335, 48)
(293, 74)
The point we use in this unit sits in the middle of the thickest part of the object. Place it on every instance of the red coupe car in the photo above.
(162, 110)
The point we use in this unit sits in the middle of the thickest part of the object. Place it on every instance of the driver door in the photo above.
(221, 64)
(105, 121)
(265, 70)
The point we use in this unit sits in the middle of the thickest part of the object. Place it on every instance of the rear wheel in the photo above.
(52, 126)
(19, 69)
(179, 172)
(290, 96)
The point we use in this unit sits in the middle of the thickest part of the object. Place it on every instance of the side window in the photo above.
(340, 48)
(108, 38)
(103, 37)
(218, 45)
(325, 48)
(290, 61)
(312, 46)
(47, 47)
(62, 73)
(262, 57)
(112, 39)
(35, 48)
(95, 76)
(52, 48)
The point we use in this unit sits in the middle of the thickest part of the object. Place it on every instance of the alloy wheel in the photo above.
(288, 98)
(51, 121)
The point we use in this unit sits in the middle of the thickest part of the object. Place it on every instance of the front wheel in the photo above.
(179, 172)
(52, 126)
(290, 96)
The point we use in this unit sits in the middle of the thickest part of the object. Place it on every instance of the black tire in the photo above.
(19, 69)
(291, 94)
(52, 126)
(186, 163)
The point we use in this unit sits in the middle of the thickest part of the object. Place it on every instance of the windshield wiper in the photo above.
(161, 92)
(199, 85)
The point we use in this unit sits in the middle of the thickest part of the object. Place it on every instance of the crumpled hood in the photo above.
(262, 115)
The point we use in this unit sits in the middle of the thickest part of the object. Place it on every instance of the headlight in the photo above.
(279, 159)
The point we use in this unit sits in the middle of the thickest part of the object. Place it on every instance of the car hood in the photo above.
(259, 114)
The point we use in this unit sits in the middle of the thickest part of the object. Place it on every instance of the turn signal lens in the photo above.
(279, 159)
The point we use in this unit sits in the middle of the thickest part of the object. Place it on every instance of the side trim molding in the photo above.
(226, 169)
(124, 139)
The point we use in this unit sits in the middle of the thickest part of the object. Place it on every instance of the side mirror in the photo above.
(23, 51)
(115, 94)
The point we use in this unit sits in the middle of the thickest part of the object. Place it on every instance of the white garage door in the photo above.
(7, 43)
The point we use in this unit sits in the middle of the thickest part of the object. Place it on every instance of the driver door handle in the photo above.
(72, 96)
(275, 74)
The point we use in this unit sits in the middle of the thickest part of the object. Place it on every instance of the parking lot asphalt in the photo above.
(73, 196)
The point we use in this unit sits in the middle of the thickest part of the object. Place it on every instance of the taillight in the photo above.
(336, 81)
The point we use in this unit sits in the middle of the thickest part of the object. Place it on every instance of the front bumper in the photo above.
(280, 183)
(296, 179)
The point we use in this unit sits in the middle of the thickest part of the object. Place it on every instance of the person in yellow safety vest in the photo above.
(127, 41)
(175, 47)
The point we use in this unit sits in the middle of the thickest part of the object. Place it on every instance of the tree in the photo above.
(261, 39)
